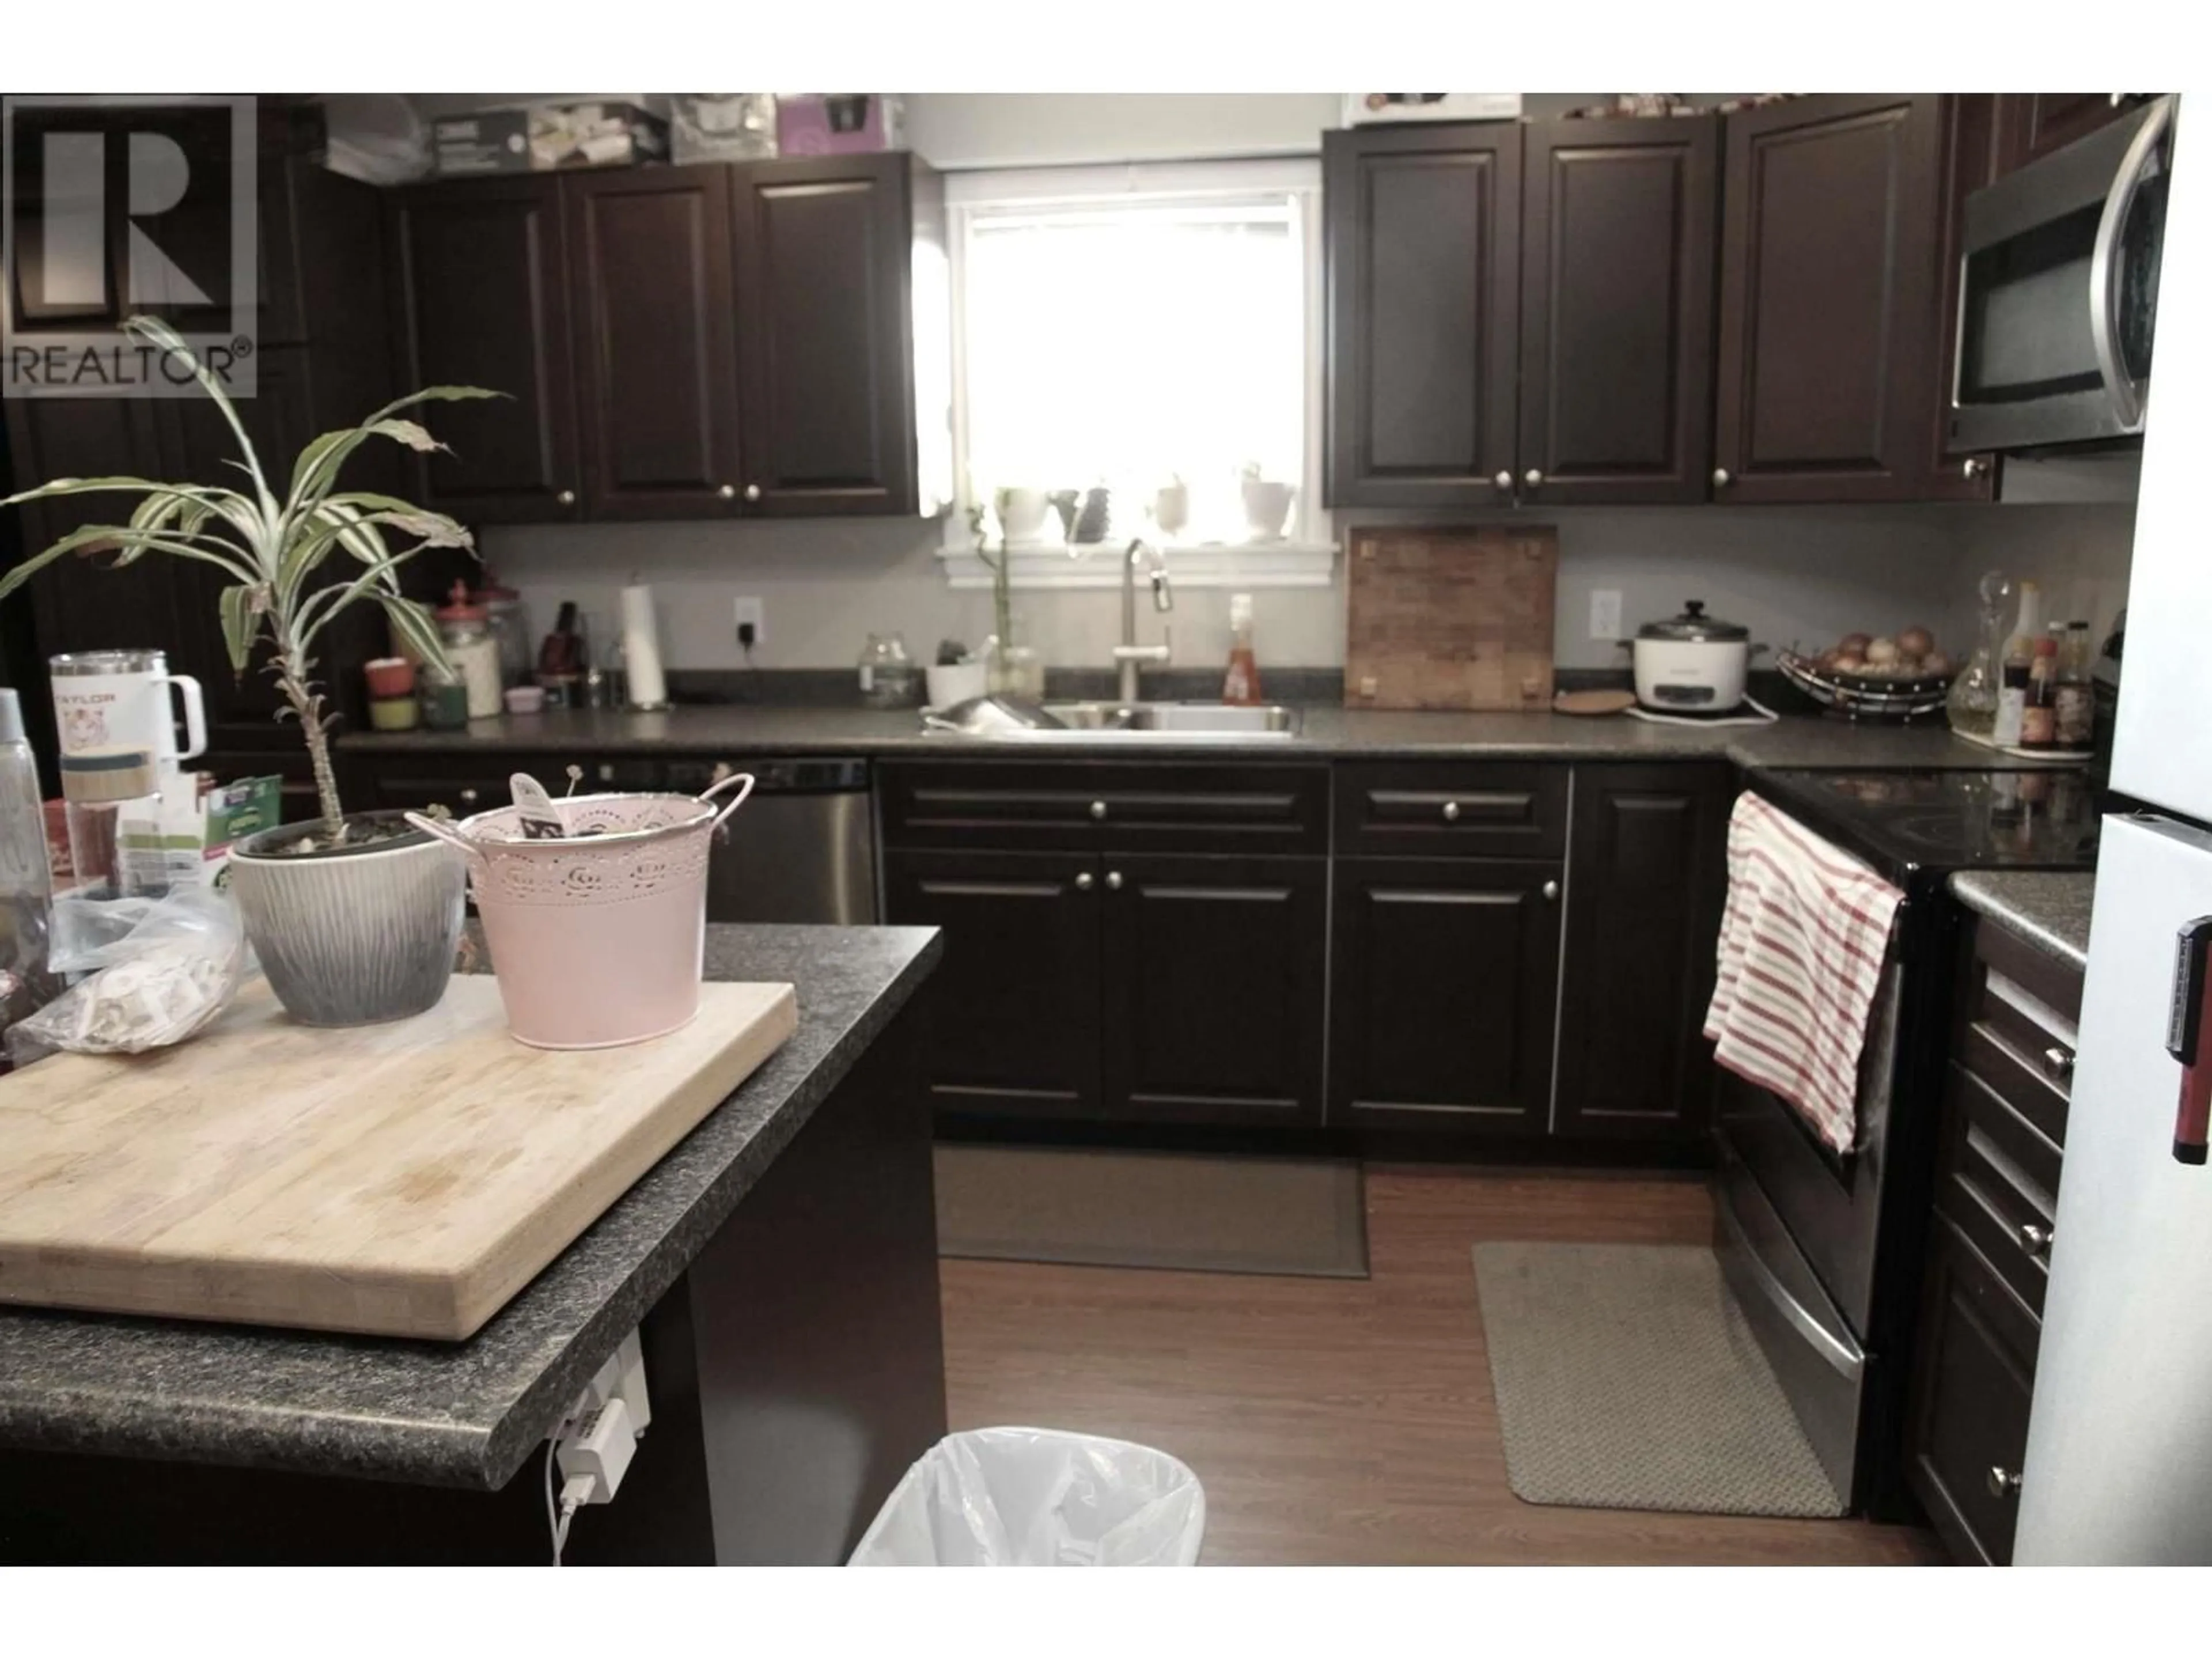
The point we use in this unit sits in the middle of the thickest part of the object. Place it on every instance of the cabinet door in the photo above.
(1444, 980)
(82, 602)
(1828, 374)
(1617, 232)
(825, 343)
(1973, 1373)
(2032, 125)
(1012, 1012)
(480, 297)
(1648, 873)
(1214, 972)
(1424, 237)
(656, 354)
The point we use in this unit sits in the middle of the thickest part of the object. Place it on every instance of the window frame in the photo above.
(1306, 556)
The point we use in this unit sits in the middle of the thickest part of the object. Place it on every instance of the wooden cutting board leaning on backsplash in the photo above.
(1450, 618)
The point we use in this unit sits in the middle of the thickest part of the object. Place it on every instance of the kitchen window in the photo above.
(1152, 331)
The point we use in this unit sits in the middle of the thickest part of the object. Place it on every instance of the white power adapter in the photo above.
(594, 1459)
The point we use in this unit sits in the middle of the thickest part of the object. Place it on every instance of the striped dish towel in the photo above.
(1801, 946)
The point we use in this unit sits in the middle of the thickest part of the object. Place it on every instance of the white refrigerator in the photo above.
(2119, 1448)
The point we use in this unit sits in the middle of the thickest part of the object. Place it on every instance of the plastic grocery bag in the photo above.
(163, 969)
(1035, 1497)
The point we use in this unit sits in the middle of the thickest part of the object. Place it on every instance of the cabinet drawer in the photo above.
(1483, 809)
(1996, 1182)
(1079, 805)
(1969, 1423)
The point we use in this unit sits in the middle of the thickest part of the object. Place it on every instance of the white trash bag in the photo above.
(1035, 1497)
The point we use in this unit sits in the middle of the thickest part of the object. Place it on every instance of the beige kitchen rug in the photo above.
(1626, 1379)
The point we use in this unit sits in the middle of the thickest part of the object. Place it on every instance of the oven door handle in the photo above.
(2122, 390)
(1845, 1359)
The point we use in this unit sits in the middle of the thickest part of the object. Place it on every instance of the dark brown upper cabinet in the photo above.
(480, 297)
(656, 342)
(682, 342)
(1617, 227)
(1424, 233)
(824, 254)
(2031, 125)
(1830, 380)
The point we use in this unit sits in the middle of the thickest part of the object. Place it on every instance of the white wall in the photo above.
(1802, 576)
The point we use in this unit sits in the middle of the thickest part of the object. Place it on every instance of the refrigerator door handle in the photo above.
(2184, 1040)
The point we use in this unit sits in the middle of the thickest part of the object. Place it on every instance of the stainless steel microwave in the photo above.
(2058, 290)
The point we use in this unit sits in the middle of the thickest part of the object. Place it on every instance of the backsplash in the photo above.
(1792, 575)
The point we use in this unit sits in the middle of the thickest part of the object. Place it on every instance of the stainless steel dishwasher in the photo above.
(802, 849)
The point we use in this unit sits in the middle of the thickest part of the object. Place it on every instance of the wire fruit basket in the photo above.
(1866, 696)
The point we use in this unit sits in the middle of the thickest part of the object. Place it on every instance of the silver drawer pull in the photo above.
(2003, 1482)
(2058, 1063)
(1451, 811)
(2034, 1237)
(1098, 809)
(1083, 883)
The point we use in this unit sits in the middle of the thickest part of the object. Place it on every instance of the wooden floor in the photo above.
(1348, 1421)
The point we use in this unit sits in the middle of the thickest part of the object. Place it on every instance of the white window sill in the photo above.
(1242, 565)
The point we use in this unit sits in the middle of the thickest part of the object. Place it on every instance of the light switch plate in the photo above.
(1605, 613)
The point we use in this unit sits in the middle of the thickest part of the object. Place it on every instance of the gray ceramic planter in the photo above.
(351, 938)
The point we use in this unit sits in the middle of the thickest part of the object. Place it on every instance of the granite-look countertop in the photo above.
(466, 1414)
(2049, 909)
(744, 730)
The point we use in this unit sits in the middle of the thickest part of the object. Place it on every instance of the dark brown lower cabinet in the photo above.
(1215, 973)
(1648, 864)
(1445, 982)
(1969, 1424)
(1011, 1022)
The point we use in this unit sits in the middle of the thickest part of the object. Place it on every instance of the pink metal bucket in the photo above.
(600, 937)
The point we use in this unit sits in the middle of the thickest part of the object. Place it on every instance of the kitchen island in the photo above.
(779, 1264)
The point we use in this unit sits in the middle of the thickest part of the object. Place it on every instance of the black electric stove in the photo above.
(1913, 826)
(1825, 1250)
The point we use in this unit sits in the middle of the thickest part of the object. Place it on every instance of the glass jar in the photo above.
(888, 678)
(474, 654)
(1972, 706)
(1016, 671)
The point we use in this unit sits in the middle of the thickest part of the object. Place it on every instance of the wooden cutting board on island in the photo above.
(397, 1180)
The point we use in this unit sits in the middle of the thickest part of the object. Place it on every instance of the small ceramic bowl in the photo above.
(393, 713)
(525, 699)
(389, 676)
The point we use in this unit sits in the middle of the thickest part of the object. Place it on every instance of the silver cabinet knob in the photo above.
(1973, 466)
(1451, 811)
(567, 498)
(752, 492)
(1098, 809)
(2034, 1237)
(1503, 481)
(1083, 883)
(1551, 890)
(468, 798)
(728, 492)
(1721, 480)
(1533, 476)
(2003, 1482)
(2058, 1063)
(1113, 881)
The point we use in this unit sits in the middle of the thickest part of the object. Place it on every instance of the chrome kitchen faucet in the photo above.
(1128, 656)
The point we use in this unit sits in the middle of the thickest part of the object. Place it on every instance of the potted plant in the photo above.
(354, 916)
(1266, 504)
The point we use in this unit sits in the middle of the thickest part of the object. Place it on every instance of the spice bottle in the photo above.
(2039, 719)
(2075, 700)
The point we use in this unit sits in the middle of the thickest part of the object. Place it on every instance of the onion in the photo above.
(1916, 642)
(1935, 663)
(1849, 662)
(1854, 645)
(1881, 651)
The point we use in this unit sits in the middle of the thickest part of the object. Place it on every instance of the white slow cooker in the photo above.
(1692, 663)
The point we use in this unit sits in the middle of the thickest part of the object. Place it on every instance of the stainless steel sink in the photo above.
(1109, 724)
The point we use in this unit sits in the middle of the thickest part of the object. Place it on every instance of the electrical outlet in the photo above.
(1605, 613)
(749, 610)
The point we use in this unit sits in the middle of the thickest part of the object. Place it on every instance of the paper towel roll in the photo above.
(641, 649)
